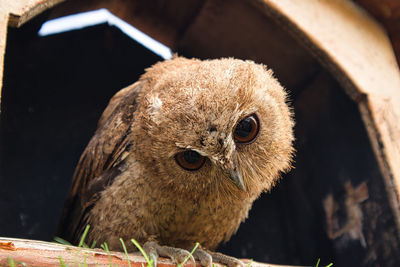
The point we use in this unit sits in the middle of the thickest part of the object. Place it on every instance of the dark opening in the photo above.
(55, 89)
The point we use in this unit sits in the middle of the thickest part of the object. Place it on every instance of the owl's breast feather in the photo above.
(174, 220)
(207, 221)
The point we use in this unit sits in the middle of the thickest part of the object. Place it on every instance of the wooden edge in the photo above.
(299, 21)
(358, 53)
(25, 252)
(29, 12)
(388, 13)
(3, 37)
(383, 153)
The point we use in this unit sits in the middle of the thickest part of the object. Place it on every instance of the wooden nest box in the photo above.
(340, 203)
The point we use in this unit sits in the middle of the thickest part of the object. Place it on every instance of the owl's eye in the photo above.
(247, 129)
(190, 160)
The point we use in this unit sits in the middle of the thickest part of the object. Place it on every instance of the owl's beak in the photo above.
(235, 175)
(237, 179)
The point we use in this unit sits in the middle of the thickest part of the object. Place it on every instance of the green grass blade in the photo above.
(62, 263)
(83, 237)
(149, 262)
(11, 262)
(319, 260)
(62, 241)
(126, 252)
(188, 257)
(105, 247)
(93, 244)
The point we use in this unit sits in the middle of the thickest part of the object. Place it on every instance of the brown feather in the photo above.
(100, 162)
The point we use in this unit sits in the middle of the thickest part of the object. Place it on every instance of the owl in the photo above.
(179, 157)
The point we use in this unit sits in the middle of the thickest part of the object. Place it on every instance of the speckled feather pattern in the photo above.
(127, 183)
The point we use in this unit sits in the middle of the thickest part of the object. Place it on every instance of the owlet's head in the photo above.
(213, 126)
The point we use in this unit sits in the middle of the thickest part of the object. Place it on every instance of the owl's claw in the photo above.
(206, 258)
(151, 251)
(203, 256)
(177, 255)
(226, 260)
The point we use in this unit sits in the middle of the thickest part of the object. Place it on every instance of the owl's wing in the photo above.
(100, 162)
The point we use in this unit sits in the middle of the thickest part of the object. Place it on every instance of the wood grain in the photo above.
(37, 253)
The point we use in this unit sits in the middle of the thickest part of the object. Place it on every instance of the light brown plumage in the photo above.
(128, 183)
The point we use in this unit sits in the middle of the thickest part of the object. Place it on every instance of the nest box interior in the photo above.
(333, 205)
